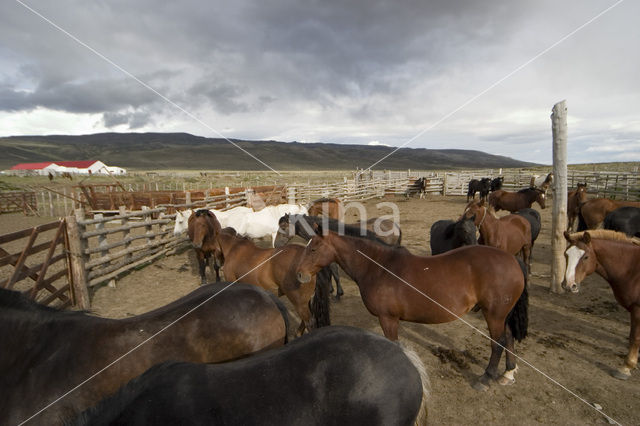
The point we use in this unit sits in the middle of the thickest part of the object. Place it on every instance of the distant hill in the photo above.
(151, 151)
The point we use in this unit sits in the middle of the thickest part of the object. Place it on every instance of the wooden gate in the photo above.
(35, 262)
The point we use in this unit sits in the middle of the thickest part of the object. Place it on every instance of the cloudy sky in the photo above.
(365, 72)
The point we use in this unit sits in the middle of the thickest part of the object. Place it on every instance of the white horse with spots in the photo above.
(232, 217)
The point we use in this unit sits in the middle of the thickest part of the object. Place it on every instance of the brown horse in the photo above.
(575, 200)
(202, 231)
(593, 212)
(511, 233)
(46, 352)
(330, 207)
(272, 269)
(397, 285)
(514, 201)
(616, 258)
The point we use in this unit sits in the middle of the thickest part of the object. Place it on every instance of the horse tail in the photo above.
(582, 224)
(285, 315)
(421, 419)
(518, 318)
(399, 243)
(319, 303)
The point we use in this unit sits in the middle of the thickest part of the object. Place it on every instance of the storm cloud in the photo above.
(329, 71)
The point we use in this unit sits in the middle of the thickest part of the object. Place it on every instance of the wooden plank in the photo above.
(122, 215)
(90, 234)
(126, 241)
(113, 256)
(57, 294)
(20, 263)
(76, 262)
(31, 272)
(48, 259)
(26, 232)
(7, 258)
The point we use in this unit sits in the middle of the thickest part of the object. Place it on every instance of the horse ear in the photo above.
(567, 236)
(586, 237)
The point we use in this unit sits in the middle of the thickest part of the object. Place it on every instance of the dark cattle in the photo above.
(624, 219)
(45, 353)
(483, 186)
(333, 376)
(447, 235)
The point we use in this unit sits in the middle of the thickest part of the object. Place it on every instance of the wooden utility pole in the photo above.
(76, 260)
(559, 219)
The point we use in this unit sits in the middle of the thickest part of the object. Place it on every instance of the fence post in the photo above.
(291, 194)
(559, 218)
(226, 199)
(77, 258)
(444, 184)
(126, 233)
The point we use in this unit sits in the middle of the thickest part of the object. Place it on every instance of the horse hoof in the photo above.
(480, 387)
(620, 375)
(505, 381)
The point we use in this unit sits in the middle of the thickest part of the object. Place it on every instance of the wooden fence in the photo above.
(17, 201)
(35, 261)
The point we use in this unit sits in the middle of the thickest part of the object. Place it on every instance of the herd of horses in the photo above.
(231, 338)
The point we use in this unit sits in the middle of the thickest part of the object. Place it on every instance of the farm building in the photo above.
(88, 167)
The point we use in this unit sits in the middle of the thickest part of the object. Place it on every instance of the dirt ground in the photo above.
(574, 340)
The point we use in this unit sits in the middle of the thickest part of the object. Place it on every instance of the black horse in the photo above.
(419, 186)
(533, 217)
(334, 375)
(483, 186)
(624, 219)
(447, 235)
(496, 183)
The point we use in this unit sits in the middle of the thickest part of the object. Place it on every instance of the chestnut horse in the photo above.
(202, 231)
(330, 207)
(511, 233)
(514, 201)
(46, 352)
(575, 200)
(272, 269)
(397, 285)
(593, 212)
(616, 258)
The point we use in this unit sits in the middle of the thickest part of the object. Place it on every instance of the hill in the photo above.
(153, 151)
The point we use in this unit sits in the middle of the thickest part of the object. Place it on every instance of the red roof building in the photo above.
(31, 166)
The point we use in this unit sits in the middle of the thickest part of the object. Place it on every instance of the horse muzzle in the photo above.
(573, 287)
(197, 245)
(303, 277)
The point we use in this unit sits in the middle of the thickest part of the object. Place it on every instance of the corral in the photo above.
(575, 339)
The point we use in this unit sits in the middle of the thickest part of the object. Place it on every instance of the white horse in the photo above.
(232, 217)
(265, 222)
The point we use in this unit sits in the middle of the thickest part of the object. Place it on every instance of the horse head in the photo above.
(318, 253)
(581, 260)
(476, 210)
(540, 197)
(465, 231)
(202, 226)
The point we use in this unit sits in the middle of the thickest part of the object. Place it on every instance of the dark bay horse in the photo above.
(535, 221)
(330, 207)
(514, 201)
(446, 235)
(272, 269)
(575, 200)
(496, 183)
(419, 186)
(593, 212)
(47, 352)
(202, 231)
(511, 233)
(333, 376)
(624, 219)
(616, 258)
(397, 285)
(483, 186)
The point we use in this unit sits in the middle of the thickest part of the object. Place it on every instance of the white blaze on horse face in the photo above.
(574, 254)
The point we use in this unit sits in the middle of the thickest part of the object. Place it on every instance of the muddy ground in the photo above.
(574, 340)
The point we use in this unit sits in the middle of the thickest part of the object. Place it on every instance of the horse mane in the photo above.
(350, 230)
(606, 234)
(325, 200)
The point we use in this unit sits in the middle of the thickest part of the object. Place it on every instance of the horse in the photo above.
(447, 235)
(203, 228)
(226, 218)
(496, 183)
(514, 201)
(593, 212)
(46, 352)
(419, 186)
(384, 231)
(330, 207)
(392, 280)
(333, 376)
(272, 269)
(624, 219)
(541, 183)
(535, 221)
(265, 222)
(575, 200)
(616, 258)
(483, 186)
(511, 233)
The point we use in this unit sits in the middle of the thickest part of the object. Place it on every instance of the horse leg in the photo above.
(526, 258)
(202, 264)
(508, 377)
(498, 341)
(336, 277)
(389, 326)
(631, 361)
